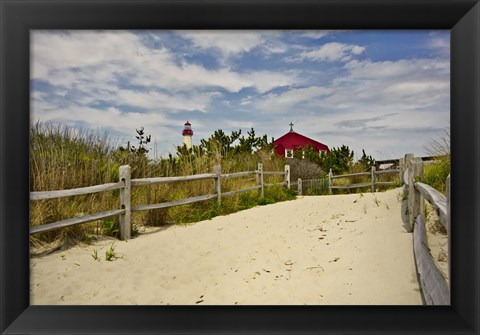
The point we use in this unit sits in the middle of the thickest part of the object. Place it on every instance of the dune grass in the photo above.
(435, 174)
(62, 157)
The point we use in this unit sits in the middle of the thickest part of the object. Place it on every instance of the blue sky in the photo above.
(387, 92)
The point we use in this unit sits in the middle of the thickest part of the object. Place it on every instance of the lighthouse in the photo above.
(187, 135)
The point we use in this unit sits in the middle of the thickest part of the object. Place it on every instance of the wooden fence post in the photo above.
(415, 172)
(418, 195)
(411, 194)
(373, 179)
(125, 202)
(330, 182)
(260, 178)
(218, 185)
(287, 175)
(449, 220)
(299, 186)
(408, 162)
(406, 181)
(401, 169)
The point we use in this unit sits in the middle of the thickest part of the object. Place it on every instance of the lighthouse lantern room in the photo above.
(187, 135)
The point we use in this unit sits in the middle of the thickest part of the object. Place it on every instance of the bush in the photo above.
(435, 174)
(304, 169)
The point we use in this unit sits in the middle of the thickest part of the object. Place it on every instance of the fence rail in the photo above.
(437, 200)
(435, 289)
(151, 181)
(238, 174)
(125, 184)
(311, 186)
(274, 172)
(373, 174)
(76, 191)
(77, 220)
(350, 175)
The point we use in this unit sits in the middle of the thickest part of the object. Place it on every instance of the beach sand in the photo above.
(316, 250)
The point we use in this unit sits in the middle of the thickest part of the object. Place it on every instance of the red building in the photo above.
(288, 143)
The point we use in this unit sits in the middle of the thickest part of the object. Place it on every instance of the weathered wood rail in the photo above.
(318, 186)
(126, 183)
(435, 289)
(35, 196)
(373, 174)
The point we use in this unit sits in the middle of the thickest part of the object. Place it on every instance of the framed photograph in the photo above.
(39, 30)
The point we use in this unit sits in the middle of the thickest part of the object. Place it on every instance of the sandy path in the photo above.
(343, 249)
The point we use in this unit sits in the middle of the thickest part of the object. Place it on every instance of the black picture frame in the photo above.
(18, 17)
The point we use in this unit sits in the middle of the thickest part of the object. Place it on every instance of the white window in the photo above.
(288, 153)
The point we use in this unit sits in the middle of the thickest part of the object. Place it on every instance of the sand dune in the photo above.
(341, 249)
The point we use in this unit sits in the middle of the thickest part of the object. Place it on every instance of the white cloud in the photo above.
(439, 41)
(156, 101)
(123, 123)
(332, 51)
(231, 43)
(94, 66)
(59, 50)
(228, 43)
(396, 69)
(80, 71)
(397, 85)
(315, 34)
(246, 101)
(370, 98)
(284, 102)
(408, 88)
(265, 81)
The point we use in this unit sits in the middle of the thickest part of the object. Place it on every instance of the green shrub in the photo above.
(435, 174)
(262, 201)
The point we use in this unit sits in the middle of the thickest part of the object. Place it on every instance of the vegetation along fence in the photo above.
(126, 183)
(373, 183)
(435, 289)
(311, 186)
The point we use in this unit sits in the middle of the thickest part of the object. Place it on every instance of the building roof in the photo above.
(292, 140)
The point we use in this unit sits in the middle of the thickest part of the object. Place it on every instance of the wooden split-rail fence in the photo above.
(126, 183)
(321, 185)
(318, 186)
(435, 289)
(372, 184)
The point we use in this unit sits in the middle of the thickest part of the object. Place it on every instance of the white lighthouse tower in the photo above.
(187, 135)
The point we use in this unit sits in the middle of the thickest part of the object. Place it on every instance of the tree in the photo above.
(366, 161)
(338, 160)
(308, 153)
(251, 143)
(136, 156)
(220, 142)
(142, 142)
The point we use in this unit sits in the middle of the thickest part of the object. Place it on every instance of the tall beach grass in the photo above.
(62, 157)
(436, 173)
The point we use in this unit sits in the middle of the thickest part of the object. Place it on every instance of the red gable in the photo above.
(292, 140)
